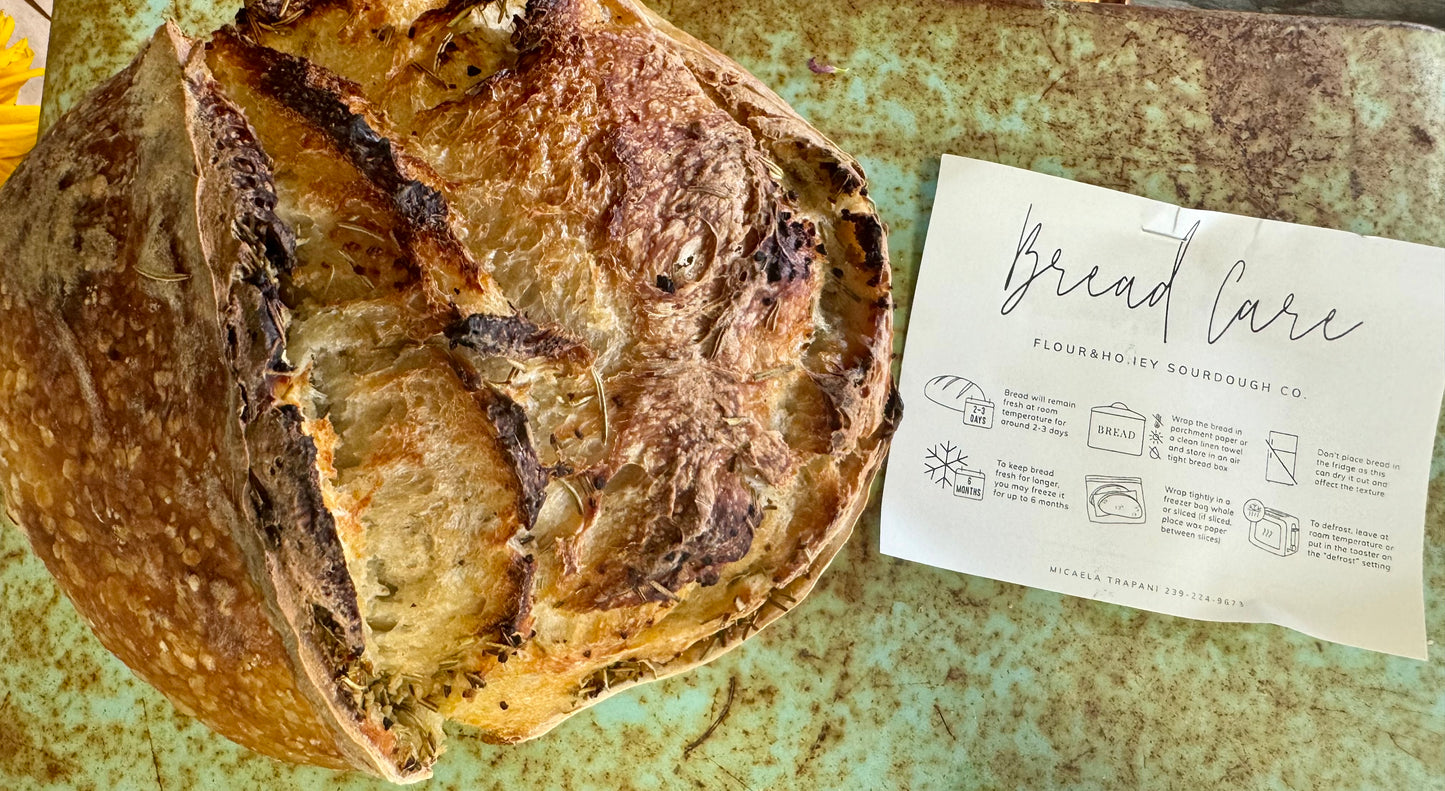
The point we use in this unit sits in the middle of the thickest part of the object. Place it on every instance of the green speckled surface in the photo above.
(893, 675)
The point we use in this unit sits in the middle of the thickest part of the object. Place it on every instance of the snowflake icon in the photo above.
(943, 463)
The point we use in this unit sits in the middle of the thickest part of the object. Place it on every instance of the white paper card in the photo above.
(1195, 413)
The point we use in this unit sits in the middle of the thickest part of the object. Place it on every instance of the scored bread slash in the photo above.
(478, 391)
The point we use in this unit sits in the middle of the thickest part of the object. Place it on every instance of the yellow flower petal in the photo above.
(10, 132)
(7, 166)
(18, 125)
(10, 84)
(23, 114)
(16, 151)
(19, 51)
(17, 77)
(17, 56)
(18, 113)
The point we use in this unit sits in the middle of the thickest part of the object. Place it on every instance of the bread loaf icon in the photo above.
(961, 395)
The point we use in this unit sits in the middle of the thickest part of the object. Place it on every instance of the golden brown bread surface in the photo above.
(385, 363)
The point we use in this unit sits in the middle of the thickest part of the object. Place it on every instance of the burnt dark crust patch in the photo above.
(690, 546)
(515, 626)
(539, 18)
(283, 480)
(728, 537)
(892, 413)
(448, 12)
(320, 96)
(510, 422)
(844, 178)
(281, 12)
(296, 522)
(787, 254)
(515, 337)
(868, 232)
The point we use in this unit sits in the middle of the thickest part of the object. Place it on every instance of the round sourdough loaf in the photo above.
(368, 365)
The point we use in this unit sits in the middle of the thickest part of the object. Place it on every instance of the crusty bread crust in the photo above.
(138, 330)
(503, 362)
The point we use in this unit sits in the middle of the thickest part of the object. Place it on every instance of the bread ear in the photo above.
(175, 501)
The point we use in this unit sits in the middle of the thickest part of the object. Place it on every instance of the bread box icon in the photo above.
(1116, 428)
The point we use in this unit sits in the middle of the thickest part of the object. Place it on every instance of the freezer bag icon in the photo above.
(961, 395)
(1116, 428)
(1114, 500)
(1280, 466)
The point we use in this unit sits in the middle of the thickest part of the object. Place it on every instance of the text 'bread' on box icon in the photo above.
(1116, 428)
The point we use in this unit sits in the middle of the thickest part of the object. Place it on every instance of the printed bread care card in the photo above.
(1189, 412)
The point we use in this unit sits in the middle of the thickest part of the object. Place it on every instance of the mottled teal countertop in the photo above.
(894, 675)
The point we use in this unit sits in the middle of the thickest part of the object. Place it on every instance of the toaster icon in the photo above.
(1275, 531)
